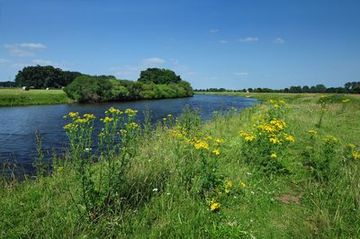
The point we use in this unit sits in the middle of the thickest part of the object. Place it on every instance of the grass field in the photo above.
(14, 97)
(276, 170)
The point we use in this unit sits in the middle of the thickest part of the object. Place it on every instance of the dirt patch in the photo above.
(288, 198)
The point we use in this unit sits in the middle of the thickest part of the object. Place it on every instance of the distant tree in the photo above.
(320, 88)
(7, 84)
(44, 77)
(306, 89)
(159, 76)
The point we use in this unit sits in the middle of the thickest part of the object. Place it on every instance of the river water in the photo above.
(19, 124)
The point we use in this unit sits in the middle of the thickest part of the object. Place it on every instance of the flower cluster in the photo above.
(269, 137)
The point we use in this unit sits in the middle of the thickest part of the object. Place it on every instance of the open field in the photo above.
(17, 96)
(277, 170)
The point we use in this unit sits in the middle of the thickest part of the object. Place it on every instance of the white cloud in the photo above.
(153, 61)
(24, 49)
(249, 39)
(279, 40)
(33, 45)
(241, 73)
(223, 41)
(214, 30)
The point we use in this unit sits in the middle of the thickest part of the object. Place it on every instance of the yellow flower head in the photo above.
(356, 154)
(247, 136)
(273, 155)
(290, 138)
(114, 111)
(107, 119)
(219, 141)
(89, 116)
(274, 140)
(201, 144)
(130, 112)
(214, 206)
(242, 184)
(73, 115)
(216, 152)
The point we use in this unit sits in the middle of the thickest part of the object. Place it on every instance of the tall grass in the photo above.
(266, 172)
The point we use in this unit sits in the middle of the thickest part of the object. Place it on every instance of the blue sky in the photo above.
(210, 43)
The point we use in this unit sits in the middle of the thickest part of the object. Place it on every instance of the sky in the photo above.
(233, 44)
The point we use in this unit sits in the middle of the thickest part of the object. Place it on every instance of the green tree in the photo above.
(159, 76)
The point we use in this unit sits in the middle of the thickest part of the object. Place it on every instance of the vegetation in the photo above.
(153, 84)
(159, 76)
(349, 87)
(41, 77)
(270, 171)
(17, 96)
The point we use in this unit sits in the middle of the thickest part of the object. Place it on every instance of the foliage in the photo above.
(100, 89)
(159, 76)
(41, 77)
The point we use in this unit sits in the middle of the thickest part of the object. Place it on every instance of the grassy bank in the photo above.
(17, 96)
(276, 170)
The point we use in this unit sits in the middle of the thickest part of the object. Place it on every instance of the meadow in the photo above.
(285, 168)
(17, 96)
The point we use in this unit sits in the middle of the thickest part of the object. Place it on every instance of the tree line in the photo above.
(349, 87)
(153, 83)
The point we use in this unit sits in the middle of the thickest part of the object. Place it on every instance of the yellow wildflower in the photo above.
(290, 138)
(247, 136)
(89, 116)
(219, 141)
(214, 206)
(114, 111)
(274, 140)
(242, 184)
(107, 119)
(273, 155)
(73, 114)
(130, 112)
(356, 154)
(216, 152)
(278, 124)
(201, 144)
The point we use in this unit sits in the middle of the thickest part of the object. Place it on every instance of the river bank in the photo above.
(272, 170)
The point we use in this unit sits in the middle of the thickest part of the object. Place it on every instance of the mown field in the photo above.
(286, 168)
(17, 96)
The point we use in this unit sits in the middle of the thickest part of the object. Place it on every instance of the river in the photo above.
(19, 124)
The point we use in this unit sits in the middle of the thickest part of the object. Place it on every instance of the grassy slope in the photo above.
(13, 97)
(47, 207)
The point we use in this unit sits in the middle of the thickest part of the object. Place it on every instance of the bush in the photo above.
(90, 89)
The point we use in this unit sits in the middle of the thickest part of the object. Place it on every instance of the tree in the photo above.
(44, 77)
(159, 76)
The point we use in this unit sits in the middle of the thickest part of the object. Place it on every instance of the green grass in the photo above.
(14, 97)
(293, 205)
